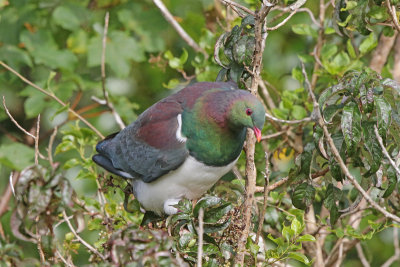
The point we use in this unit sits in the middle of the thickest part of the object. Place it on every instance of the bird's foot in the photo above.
(169, 206)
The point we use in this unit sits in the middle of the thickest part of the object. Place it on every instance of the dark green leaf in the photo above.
(215, 214)
(373, 147)
(206, 202)
(303, 196)
(384, 115)
(299, 257)
(392, 181)
(351, 126)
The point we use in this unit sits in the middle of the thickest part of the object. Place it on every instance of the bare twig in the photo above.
(7, 193)
(37, 140)
(83, 242)
(251, 173)
(25, 80)
(283, 22)
(168, 16)
(50, 147)
(396, 255)
(234, 4)
(339, 159)
(392, 12)
(217, 46)
(320, 40)
(262, 211)
(265, 137)
(361, 255)
(58, 254)
(385, 152)
(14, 121)
(267, 95)
(270, 117)
(110, 105)
(200, 232)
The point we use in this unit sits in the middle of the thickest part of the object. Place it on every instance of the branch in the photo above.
(35, 138)
(382, 51)
(361, 255)
(92, 249)
(392, 12)
(251, 173)
(396, 255)
(385, 152)
(25, 80)
(200, 232)
(266, 192)
(396, 63)
(337, 156)
(168, 16)
(232, 3)
(286, 121)
(103, 75)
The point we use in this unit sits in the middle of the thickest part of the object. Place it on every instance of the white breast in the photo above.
(190, 180)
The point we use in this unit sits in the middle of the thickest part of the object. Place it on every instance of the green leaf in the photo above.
(392, 181)
(368, 44)
(298, 112)
(212, 228)
(299, 257)
(351, 126)
(328, 51)
(306, 237)
(383, 116)
(216, 214)
(349, 5)
(373, 147)
(296, 226)
(304, 29)
(205, 202)
(333, 194)
(121, 49)
(16, 156)
(350, 49)
(303, 196)
(66, 18)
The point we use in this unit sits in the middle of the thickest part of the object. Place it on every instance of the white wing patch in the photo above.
(178, 134)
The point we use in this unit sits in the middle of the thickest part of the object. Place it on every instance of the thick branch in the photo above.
(381, 53)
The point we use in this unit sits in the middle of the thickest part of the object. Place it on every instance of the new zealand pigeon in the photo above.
(180, 147)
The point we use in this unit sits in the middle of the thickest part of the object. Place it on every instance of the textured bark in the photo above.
(396, 65)
(382, 51)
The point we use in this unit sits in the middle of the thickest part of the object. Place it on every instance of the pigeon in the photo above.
(183, 144)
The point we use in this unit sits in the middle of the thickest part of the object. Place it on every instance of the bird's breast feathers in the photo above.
(190, 180)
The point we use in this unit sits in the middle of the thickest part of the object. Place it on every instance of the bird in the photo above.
(183, 144)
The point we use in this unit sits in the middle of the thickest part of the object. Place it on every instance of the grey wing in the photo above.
(148, 148)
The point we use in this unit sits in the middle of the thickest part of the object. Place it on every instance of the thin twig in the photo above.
(25, 80)
(92, 249)
(361, 255)
(265, 137)
(267, 95)
(200, 232)
(108, 103)
(392, 11)
(283, 22)
(168, 16)
(266, 192)
(337, 156)
(50, 147)
(307, 119)
(14, 121)
(58, 254)
(320, 41)
(385, 152)
(37, 140)
(232, 3)
(396, 255)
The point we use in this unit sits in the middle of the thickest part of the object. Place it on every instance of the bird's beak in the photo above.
(257, 132)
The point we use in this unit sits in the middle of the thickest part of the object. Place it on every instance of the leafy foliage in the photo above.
(58, 46)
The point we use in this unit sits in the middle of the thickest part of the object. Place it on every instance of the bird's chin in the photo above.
(257, 132)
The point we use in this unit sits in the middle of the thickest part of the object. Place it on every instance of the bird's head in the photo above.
(247, 111)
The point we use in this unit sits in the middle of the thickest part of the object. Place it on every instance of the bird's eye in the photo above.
(249, 111)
